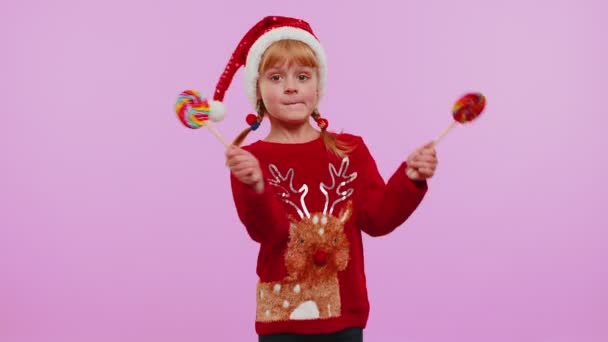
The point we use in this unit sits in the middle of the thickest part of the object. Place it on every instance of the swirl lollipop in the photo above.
(195, 111)
(466, 109)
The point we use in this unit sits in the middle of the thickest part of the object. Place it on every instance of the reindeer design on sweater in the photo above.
(316, 251)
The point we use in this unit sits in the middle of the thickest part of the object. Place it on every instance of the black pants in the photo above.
(346, 335)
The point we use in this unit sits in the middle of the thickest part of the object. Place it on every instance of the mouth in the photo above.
(292, 103)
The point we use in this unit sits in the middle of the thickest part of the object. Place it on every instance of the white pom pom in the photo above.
(216, 111)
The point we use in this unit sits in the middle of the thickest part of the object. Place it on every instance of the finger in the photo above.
(423, 155)
(428, 150)
(415, 157)
(416, 164)
(424, 165)
(412, 173)
(413, 161)
(238, 159)
(231, 162)
(237, 151)
(234, 154)
(428, 165)
(243, 175)
(425, 152)
(427, 159)
(235, 159)
(249, 164)
(430, 144)
(255, 177)
(232, 150)
(244, 165)
(426, 172)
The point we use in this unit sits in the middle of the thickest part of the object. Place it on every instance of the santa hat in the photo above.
(249, 53)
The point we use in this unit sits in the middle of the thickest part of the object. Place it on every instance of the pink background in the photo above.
(117, 223)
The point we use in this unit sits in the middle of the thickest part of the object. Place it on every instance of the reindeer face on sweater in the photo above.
(317, 250)
(318, 246)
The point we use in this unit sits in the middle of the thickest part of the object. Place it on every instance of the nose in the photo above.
(290, 86)
(320, 258)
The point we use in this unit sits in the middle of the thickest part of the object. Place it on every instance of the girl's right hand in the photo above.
(245, 167)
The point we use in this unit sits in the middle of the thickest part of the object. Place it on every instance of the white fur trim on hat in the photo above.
(258, 48)
(217, 111)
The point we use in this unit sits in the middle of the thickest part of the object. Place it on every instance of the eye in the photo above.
(303, 77)
(275, 77)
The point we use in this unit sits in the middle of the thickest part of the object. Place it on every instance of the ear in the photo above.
(346, 212)
(292, 224)
(292, 228)
(258, 94)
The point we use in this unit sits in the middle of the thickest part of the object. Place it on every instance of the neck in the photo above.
(294, 134)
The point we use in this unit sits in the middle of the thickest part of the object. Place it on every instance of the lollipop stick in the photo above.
(217, 134)
(447, 130)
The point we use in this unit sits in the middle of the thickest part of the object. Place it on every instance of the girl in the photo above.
(305, 194)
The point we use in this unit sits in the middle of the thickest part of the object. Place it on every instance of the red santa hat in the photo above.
(249, 54)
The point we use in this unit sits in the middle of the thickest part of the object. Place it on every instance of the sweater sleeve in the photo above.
(262, 214)
(385, 206)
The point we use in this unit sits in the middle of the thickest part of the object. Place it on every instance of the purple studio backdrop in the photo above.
(117, 223)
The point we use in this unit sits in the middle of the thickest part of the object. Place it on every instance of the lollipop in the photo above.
(466, 109)
(194, 112)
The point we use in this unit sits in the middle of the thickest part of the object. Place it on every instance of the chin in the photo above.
(295, 122)
(293, 118)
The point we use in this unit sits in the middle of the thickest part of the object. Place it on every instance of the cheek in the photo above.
(341, 259)
(296, 260)
(312, 93)
(269, 94)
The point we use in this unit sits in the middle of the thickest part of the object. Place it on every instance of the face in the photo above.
(290, 93)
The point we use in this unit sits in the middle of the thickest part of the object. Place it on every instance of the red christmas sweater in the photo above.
(308, 221)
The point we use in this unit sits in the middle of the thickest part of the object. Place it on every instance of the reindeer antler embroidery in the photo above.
(285, 183)
(339, 179)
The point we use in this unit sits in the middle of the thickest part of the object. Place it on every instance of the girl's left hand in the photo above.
(422, 163)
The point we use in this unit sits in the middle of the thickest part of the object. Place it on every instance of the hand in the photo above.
(245, 167)
(421, 164)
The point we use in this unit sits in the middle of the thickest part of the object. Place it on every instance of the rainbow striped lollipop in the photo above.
(194, 112)
(191, 109)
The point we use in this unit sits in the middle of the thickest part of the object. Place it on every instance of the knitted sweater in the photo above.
(308, 222)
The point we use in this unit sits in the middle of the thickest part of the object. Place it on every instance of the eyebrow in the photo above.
(297, 69)
(270, 70)
(305, 69)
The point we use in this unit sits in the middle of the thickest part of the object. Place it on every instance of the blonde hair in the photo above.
(294, 51)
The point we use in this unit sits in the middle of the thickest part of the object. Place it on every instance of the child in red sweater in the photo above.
(305, 194)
